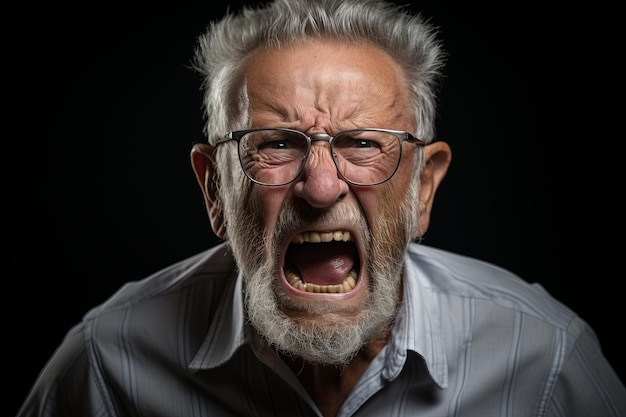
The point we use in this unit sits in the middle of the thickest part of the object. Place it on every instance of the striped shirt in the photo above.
(471, 339)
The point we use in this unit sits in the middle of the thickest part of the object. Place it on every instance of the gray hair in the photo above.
(222, 51)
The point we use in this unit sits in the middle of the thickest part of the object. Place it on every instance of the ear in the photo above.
(203, 163)
(437, 156)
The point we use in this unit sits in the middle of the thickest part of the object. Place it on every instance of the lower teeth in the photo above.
(347, 285)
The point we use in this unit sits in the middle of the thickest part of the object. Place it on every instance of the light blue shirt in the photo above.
(471, 339)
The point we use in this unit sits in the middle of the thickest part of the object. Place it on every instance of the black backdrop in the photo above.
(100, 110)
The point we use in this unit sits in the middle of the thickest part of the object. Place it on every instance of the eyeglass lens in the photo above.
(276, 157)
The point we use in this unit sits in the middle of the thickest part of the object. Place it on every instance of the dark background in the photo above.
(100, 110)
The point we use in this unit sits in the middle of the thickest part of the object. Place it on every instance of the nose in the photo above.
(320, 184)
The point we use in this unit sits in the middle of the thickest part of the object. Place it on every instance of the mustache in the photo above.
(298, 215)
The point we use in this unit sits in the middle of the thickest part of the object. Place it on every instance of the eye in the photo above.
(276, 144)
(356, 142)
(363, 143)
(277, 141)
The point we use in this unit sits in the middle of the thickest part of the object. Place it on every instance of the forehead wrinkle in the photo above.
(360, 113)
(272, 110)
(328, 115)
(323, 100)
(356, 110)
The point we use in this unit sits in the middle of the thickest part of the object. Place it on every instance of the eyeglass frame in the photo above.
(401, 135)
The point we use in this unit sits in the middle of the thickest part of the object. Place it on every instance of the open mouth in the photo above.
(322, 262)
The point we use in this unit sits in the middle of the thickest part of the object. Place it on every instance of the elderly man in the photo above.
(319, 173)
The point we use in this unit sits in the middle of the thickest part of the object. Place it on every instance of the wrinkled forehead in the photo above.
(333, 77)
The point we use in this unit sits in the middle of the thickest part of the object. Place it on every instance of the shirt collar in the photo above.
(417, 329)
(226, 333)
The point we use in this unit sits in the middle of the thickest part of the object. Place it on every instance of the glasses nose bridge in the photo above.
(323, 137)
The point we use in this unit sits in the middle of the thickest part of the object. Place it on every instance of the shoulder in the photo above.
(507, 327)
(165, 315)
(210, 269)
(181, 299)
(465, 277)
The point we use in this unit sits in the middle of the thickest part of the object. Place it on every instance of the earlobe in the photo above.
(203, 164)
(437, 157)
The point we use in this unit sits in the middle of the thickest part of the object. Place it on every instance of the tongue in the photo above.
(323, 263)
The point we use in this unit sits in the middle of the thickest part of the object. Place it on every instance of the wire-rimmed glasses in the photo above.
(276, 156)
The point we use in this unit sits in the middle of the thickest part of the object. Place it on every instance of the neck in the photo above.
(329, 385)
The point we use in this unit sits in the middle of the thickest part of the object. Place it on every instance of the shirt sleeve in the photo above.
(66, 386)
(587, 385)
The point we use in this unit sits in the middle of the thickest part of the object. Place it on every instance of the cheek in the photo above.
(389, 200)
(401, 189)
(386, 198)
(384, 204)
(372, 203)
(268, 201)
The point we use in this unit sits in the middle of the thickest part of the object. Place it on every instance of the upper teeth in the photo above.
(316, 237)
